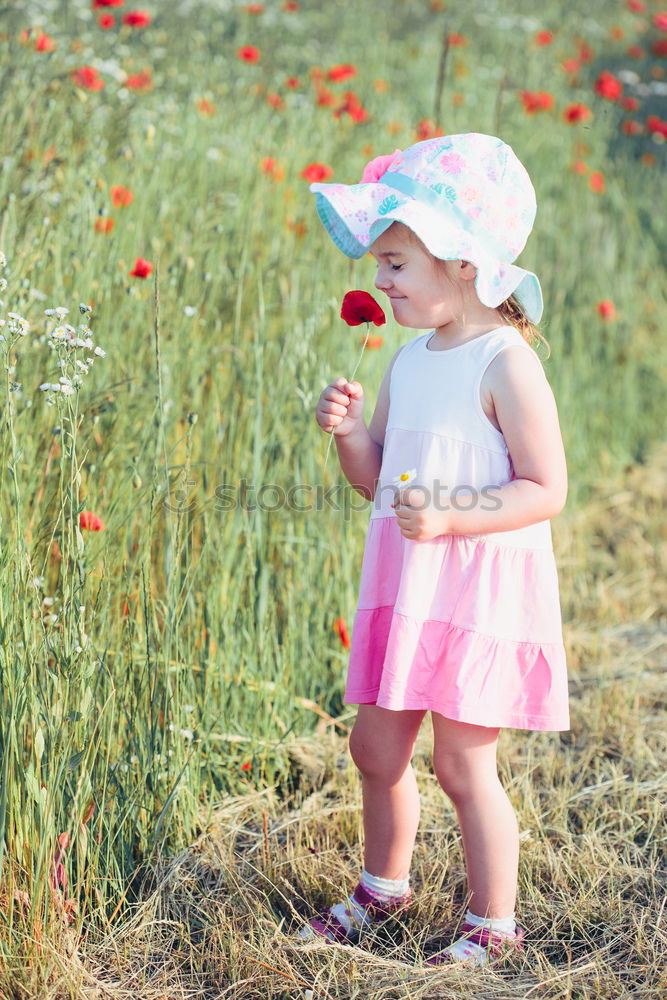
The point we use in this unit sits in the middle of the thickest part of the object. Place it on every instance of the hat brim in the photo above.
(354, 215)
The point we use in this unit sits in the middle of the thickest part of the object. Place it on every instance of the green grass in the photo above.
(200, 690)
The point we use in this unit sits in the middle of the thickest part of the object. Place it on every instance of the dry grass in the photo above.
(217, 921)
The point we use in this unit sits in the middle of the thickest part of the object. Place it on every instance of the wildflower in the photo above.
(372, 342)
(405, 478)
(360, 307)
(635, 51)
(630, 103)
(576, 113)
(89, 521)
(659, 47)
(537, 100)
(596, 182)
(340, 627)
(637, 6)
(137, 18)
(585, 52)
(293, 82)
(325, 98)
(342, 72)
(142, 268)
(106, 21)
(427, 129)
(631, 127)
(660, 21)
(276, 101)
(107, 3)
(140, 81)
(249, 54)
(88, 78)
(290, 6)
(608, 86)
(606, 309)
(570, 65)
(544, 37)
(254, 8)
(205, 106)
(654, 124)
(44, 43)
(103, 225)
(381, 86)
(316, 172)
(579, 167)
(272, 168)
(456, 40)
(187, 734)
(120, 196)
(246, 766)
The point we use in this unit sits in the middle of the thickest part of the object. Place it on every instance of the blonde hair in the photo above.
(511, 309)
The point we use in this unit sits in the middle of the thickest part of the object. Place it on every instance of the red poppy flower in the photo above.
(656, 125)
(455, 40)
(596, 181)
(631, 127)
(606, 309)
(570, 65)
(636, 5)
(254, 8)
(659, 47)
(635, 51)
(140, 81)
(579, 167)
(616, 33)
(427, 129)
(88, 78)
(340, 626)
(360, 307)
(137, 18)
(107, 3)
(290, 6)
(576, 113)
(544, 37)
(120, 195)
(249, 54)
(325, 98)
(103, 225)
(536, 100)
(293, 82)
(142, 268)
(246, 766)
(276, 101)
(608, 86)
(44, 43)
(106, 21)
(660, 21)
(316, 172)
(630, 103)
(90, 522)
(272, 168)
(585, 52)
(373, 342)
(342, 72)
(205, 106)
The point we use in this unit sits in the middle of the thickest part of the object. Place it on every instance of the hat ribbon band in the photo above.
(420, 192)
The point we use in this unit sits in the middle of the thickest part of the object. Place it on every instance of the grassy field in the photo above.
(174, 787)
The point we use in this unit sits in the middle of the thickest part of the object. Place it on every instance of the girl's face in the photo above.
(420, 293)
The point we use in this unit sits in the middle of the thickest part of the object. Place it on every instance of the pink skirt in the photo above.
(459, 625)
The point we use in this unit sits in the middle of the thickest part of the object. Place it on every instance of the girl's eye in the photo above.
(396, 267)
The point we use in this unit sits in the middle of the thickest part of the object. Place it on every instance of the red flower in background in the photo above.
(103, 225)
(90, 522)
(106, 21)
(317, 172)
(360, 307)
(293, 82)
(630, 103)
(455, 40)
(142, 268)
(631, 127)
(290, 6)
(88, 78)
(544, 37)
(636, 5)
(140, 81)
(137, 18)
(120, 195)
(608, 86)
(660, 21)
(596, 181)
(249, 54)
(606, 309)
(340, 627)
(656, 125)
(44, 43)
(536, 100)
(427, 129)
(107, 3)
(576, 113)
(342, 72)
(659, 47)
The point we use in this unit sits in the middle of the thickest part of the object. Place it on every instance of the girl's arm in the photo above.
(526, 411)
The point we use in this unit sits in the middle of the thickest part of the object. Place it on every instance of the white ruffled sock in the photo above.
(351, 914)
(469, 951)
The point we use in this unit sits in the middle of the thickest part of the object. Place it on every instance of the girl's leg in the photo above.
(464, 761)
(381, 744)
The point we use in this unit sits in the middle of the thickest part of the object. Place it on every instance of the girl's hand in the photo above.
(340, 409)
(418, 521)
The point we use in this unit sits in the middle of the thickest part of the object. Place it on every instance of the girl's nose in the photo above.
(382, 280)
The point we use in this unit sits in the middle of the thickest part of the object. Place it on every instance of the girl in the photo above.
(458, 610)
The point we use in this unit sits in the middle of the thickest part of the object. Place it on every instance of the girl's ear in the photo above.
(468, 271)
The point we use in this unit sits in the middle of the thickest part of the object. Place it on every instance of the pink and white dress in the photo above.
(465, 625)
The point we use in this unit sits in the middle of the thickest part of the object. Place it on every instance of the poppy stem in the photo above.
(351, 379)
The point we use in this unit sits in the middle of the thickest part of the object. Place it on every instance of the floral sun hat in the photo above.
(467, 197)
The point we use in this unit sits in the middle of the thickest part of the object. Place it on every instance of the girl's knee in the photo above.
(381, 751)
(462, 780)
